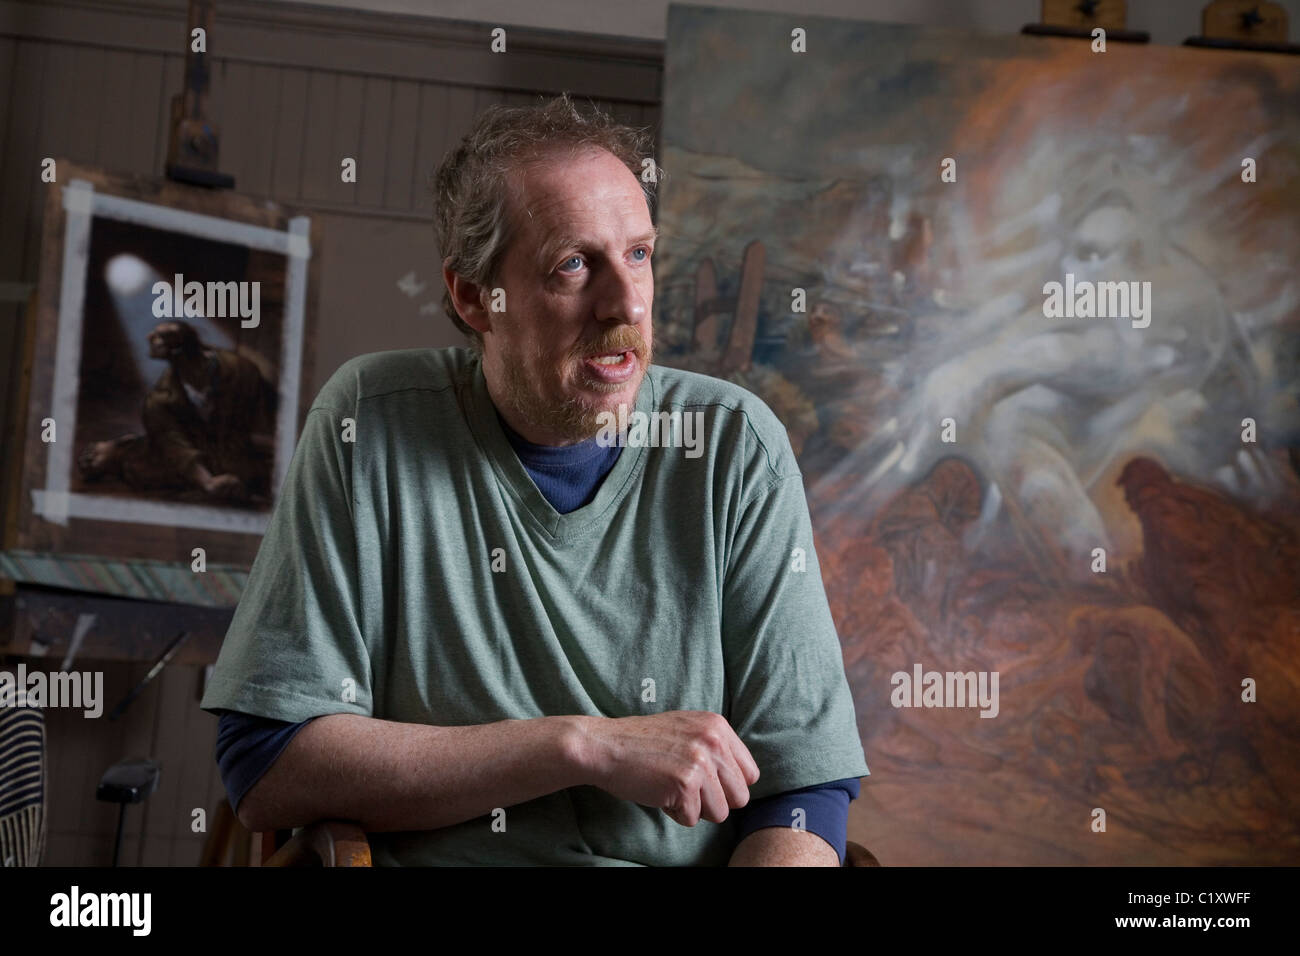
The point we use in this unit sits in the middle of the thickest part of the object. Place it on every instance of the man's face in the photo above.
(575, 339)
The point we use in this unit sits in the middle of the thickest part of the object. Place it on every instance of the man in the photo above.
(209, 424)
(489, 637)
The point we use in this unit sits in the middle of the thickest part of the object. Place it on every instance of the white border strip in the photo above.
(106, 508)
(55, 502)
(193, 224)
(78, 201)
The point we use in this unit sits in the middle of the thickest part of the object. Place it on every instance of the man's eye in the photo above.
(567, 261)
(644, 249)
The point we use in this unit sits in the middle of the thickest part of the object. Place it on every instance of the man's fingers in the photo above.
(734, 786)
(688, 812)
(745, 759)
(713, 801)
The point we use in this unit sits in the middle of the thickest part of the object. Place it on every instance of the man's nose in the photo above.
(624, 297)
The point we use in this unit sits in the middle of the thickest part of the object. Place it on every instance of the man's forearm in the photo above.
(392, 776)
(784, 846)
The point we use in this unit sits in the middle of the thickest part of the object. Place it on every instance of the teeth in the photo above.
(609, 360)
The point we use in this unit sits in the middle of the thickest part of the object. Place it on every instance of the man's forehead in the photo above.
(551, 194)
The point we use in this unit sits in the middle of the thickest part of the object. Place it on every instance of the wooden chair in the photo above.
(855, 854)
(340, 843)
(324, 843)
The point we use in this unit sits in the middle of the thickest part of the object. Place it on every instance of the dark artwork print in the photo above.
(142, 425)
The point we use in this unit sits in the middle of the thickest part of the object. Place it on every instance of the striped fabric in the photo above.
(22, 785)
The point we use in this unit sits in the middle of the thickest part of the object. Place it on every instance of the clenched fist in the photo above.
(689, 763)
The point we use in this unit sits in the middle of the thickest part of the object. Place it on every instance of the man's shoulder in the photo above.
(736, 415)
(377, 374)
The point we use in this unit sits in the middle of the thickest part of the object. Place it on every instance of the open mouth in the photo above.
(612, 366)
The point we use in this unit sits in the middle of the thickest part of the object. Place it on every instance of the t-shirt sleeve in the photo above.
(823, 810)
(789, 699)
(295, 647)
(246, 748)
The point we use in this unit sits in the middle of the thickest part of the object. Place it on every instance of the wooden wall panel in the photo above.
(345, 139)
(431, 142)
(253, 134)
(290, 122)
(458, 116)
(21, 192)
(113, 128)
(403, 131)
(318, 163)
(71, 102)
(89, 101)
(141, 127)
(372, 161)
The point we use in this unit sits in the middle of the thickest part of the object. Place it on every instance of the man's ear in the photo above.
(468, 300)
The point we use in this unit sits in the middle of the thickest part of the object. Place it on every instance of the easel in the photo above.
(1079, 18)
(1255, 25)
(1244, 25)
(194, 145)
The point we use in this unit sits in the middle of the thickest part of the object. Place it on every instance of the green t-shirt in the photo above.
(413, 572)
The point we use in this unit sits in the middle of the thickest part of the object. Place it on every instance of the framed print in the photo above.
(172, 336)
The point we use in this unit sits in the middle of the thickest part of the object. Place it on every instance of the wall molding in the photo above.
(395, 46)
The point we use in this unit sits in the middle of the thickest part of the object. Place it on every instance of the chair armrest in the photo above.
(340, 843)
(324, 843)
(855, 854)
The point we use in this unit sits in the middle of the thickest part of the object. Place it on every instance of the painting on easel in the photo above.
(171, 339)
(1031, 317)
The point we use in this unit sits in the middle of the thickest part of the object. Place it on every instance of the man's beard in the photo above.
(574, 418)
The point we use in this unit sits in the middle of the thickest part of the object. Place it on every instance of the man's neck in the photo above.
(532, 451)
(528, 430)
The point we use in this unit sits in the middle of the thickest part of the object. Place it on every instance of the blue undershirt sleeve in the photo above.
(825, 807)
(246, 748)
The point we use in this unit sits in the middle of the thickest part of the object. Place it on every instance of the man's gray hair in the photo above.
(471, 189)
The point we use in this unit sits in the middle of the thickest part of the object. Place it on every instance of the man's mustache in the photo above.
(622, 339)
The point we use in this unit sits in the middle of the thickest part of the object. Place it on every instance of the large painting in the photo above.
(1031, 315)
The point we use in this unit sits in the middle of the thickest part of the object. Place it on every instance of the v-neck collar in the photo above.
(517, 483)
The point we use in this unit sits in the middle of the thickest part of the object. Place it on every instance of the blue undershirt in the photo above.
(568, 476)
